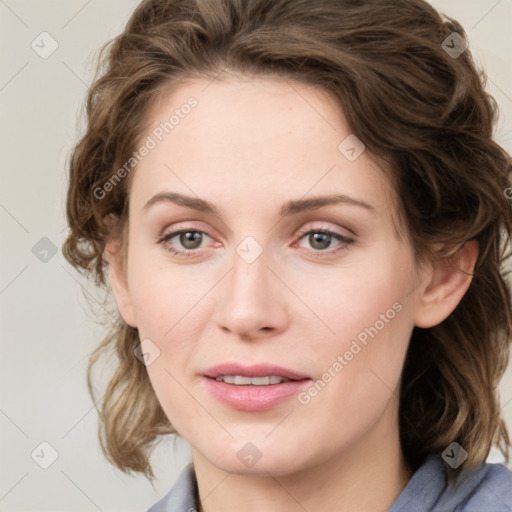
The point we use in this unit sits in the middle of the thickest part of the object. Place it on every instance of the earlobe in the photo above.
(447, 284)
(119, 281)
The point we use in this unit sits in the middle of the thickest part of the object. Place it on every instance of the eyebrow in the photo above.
(291, 207)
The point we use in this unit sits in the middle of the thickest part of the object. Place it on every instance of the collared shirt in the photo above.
(487, 488)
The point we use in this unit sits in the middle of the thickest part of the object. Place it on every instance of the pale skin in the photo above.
(249, 147)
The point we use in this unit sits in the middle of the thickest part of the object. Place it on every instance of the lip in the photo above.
(257, 370)
(251, 397)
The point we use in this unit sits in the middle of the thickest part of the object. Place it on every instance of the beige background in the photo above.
(47, 329)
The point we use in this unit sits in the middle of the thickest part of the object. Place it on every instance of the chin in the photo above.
(258, 457)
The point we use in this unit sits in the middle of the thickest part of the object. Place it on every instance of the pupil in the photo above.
(190, 237)
(316, 237)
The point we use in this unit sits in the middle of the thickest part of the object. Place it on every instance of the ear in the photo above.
(446, 286)
(118, 280)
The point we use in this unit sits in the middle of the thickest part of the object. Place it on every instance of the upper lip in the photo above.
(257, 370)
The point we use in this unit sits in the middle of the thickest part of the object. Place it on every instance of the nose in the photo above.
(252, 301)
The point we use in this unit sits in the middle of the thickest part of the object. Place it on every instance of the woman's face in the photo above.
(329, 293)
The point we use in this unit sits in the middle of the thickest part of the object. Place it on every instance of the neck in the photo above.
(368, 476)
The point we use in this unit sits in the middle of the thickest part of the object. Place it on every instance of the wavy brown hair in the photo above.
(412, 103)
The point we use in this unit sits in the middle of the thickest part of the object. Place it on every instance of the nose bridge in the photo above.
(249, 280)
(250, 300)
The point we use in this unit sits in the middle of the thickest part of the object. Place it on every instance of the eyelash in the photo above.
(345, 241)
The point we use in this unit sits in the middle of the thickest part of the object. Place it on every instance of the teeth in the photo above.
(276, 380)
(240, 380)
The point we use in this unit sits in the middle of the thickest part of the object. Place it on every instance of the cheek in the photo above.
(367, 296)
(164, 297)
(361, 363)
(176, 396)
(367, 321)
(167, 305)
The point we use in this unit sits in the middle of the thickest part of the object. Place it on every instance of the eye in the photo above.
(320, 239)
(190, 239)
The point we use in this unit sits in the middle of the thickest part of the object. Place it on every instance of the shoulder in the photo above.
(183, 495)
(487, 487)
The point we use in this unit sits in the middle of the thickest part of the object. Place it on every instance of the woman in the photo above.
(304, 219)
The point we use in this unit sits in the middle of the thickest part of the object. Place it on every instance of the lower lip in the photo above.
(254, 398)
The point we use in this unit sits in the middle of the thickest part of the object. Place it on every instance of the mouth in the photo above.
(242, 380)
(253, 388)
(262, 374)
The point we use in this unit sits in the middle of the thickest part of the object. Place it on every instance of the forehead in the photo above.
(253, 142)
